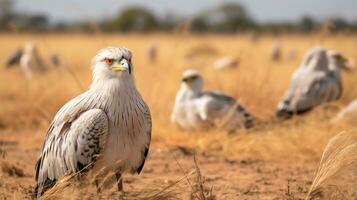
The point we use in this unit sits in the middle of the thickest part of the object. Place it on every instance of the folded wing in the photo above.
(71, 146)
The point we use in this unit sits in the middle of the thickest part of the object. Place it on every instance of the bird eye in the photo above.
(339, 58)
(108, 61)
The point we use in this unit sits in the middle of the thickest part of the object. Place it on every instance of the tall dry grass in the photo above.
(78, 186)
(336, 176)
(258, 83)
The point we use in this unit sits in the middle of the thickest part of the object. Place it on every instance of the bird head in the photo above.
(112, 63)
(192, 79)
(339, 60)
(316, 59)
(30, 48)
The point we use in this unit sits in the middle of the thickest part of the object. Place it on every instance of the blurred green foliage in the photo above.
(135, 19)
(225, 18)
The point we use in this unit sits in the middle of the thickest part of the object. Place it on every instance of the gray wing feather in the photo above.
(313, 90)
(324, 89)
(70, 146)
(219, 96)
(217, 103)
(145, 109)
(221, 105)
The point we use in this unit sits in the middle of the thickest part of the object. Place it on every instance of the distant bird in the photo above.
(14, 58)
(30, 61)
(55, 60)
(350, 111)
(152, 52)
(195, 109)
(255, 37)
(226, 63)
(105, 129)
(276, 51)
(316, 81)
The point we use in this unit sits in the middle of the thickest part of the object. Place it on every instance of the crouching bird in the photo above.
(317, 81)
(107, 128)
(196, 109)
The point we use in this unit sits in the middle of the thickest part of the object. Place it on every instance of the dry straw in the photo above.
(76, 186)
(336, 175)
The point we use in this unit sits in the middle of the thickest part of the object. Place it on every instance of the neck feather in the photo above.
(114, 85)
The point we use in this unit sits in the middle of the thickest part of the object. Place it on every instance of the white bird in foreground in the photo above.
(195, 109)
(105, 129)
(316, 81)
(30, 61)
(226, 63)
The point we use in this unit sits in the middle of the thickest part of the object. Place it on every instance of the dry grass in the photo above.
(258, 83)
(77, 186)
(336, 176)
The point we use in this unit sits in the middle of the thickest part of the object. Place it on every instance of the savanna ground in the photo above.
(274, 160)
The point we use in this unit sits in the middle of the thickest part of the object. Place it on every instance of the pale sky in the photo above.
(262, 10)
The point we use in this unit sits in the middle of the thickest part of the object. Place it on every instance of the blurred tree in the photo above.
(339, 24)
(6, 13)
(6, 7)
(169, 21)
(133, 19)
(199, 24)
(33, 22)
(278, 27)
(38, 21)
(234, 17)
(307, 24)
(229, 17)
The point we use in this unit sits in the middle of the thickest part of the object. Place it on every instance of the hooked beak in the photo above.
(122, 66)
(348, 65)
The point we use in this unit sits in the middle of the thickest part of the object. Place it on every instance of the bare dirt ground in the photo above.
(248, 178)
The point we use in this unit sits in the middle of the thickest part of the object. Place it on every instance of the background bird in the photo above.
(30, 61)
(14, 58)
(316, 81)
(197, 109)
(105, 129)
(226, 63)
(276, 51)
(152, 52)
(55, 60)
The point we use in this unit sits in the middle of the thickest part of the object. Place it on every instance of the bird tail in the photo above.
(248, 119)
(284, 114)
(283, 111)
(42, 187)
(287, 114)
